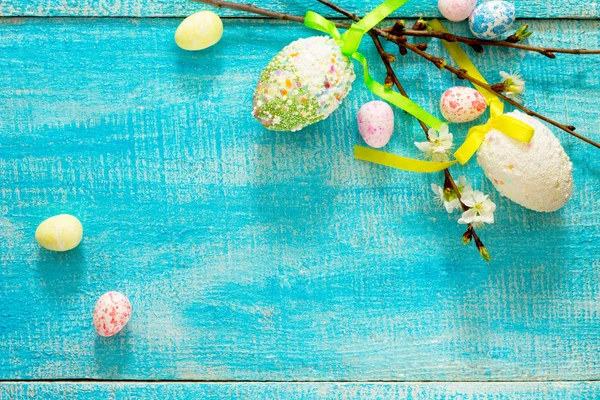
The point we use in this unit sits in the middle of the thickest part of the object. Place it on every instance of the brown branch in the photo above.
(250, 8)
(449, 37)
(392, 75)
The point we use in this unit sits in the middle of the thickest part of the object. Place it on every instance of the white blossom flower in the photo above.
(514, 85)
(439, 144)
(448, 198)
(463, 187)
(481, 209)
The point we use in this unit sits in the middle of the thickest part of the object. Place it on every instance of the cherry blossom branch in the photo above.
(393, 78)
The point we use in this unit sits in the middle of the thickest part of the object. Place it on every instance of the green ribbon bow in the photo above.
(349, 43)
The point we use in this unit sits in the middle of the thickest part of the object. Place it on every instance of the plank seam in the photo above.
(217, 382)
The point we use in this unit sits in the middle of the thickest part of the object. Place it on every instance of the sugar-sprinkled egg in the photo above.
(456, 10)
(537, 175)
(59, 233)
(462, 104)
(492, 19)
(111, 314)
(303, 84)
(199, 31)
(376, 123)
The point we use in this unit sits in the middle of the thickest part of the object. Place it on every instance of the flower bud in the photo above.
(485, 254)
(466, 239)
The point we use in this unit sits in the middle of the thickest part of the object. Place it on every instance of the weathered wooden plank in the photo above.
(168, 8)
(256, 255)
(301, 391)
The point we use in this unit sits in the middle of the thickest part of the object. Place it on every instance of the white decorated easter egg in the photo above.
(492, 19)
(462, 104)
(376, 123)
(59, 233)
(537, 175)
(199, 31)
(303, 84)
(456, 10)
(111, 314)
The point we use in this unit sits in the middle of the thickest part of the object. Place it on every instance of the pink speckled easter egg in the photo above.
(456, 10)
(111, 314)
(376, 123)
(462, 104)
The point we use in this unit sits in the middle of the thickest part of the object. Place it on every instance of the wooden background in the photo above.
(274, 265)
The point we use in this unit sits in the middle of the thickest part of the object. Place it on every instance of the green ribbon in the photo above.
(350, 41)
(356, 32)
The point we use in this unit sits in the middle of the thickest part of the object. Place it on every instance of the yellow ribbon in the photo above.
(399, 162)
(508, 125)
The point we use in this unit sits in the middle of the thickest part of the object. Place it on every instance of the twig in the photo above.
(449, 37)
(394, 78)
(250, 8)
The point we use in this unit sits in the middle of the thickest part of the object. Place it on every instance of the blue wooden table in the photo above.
(274, 265)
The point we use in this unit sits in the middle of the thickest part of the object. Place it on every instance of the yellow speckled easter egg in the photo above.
(199, 31)
(59, 233)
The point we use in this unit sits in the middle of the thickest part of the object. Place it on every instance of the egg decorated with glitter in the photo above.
(462, 104)
(111, 314)
(376, 123)
(537, 175)
(456, 10)
(492, 19)
(303, 84)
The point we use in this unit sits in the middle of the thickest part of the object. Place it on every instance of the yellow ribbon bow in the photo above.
(499, 121)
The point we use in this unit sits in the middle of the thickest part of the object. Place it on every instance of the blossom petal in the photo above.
(468, 199)
(432, 135)
(479, 197)
(425, 147)
(467, 189)
(487, 217)
(468, 216)
(452, 205)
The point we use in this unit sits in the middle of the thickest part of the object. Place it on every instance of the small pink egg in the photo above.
(111, 314)
(376, 123)
(456, 10)
(462, 104)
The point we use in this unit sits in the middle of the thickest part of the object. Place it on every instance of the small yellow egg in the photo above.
(59, 233)
(199, 31)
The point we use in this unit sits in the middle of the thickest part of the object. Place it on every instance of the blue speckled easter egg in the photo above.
(492, 19)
